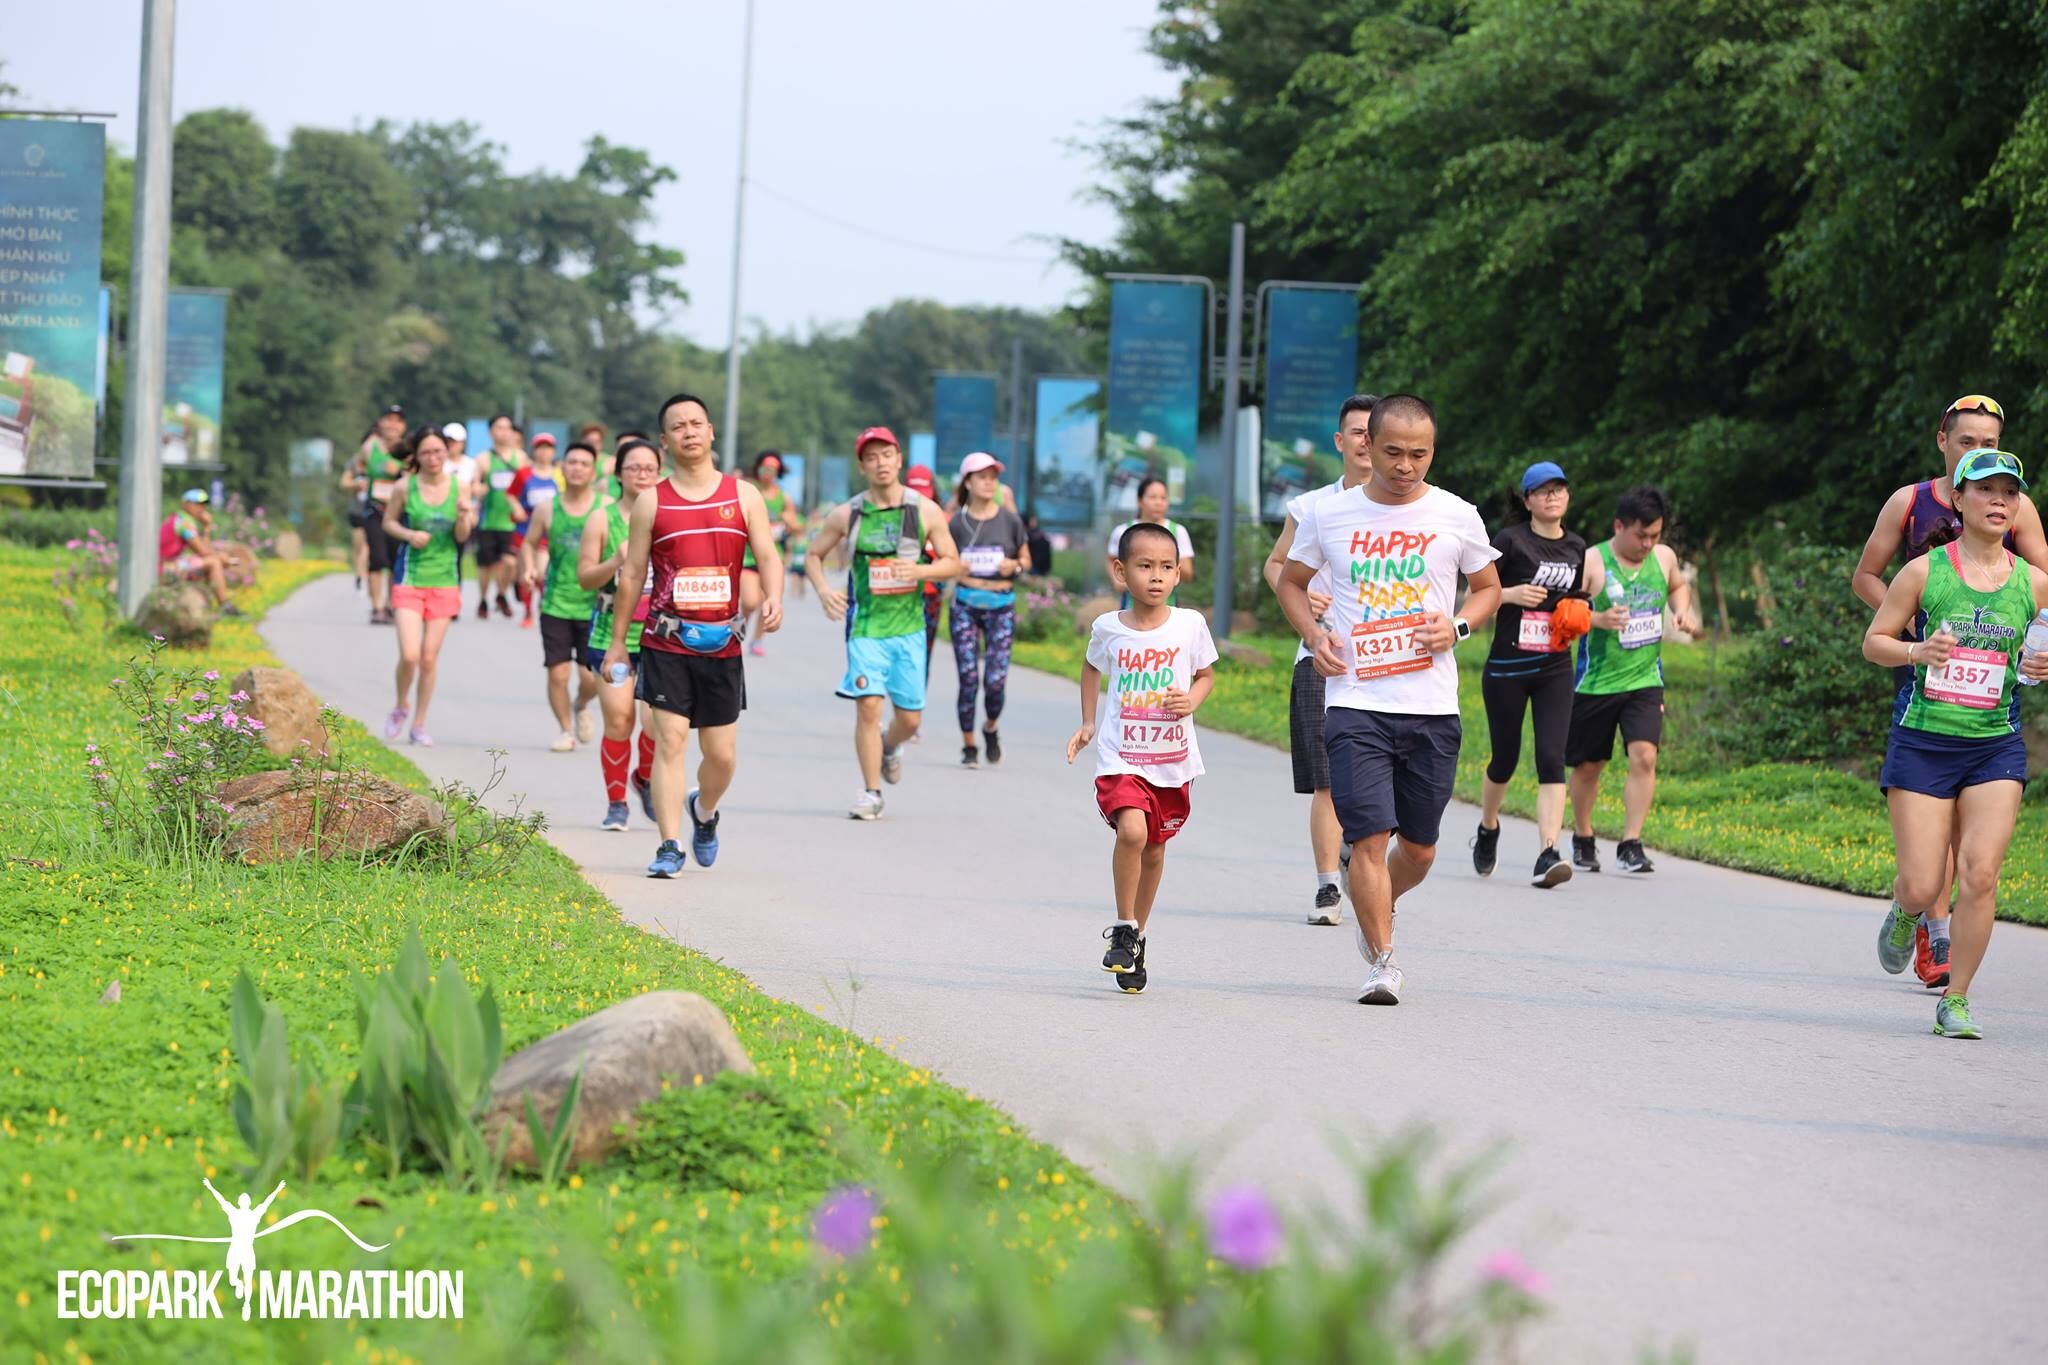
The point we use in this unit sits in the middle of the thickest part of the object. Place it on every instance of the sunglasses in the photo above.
(1976, 402)
(1983, 464)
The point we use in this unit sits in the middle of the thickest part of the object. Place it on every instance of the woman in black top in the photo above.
(1540, 565)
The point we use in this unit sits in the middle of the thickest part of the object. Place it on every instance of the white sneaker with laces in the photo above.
(892, 765)
(867, 806)
(586, 726)
(565, 745)
(1383, 983)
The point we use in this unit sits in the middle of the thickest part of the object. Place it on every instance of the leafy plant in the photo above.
(552, 1147)
(288, 1114)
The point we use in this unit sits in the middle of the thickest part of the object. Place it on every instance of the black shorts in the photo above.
(1305, 730)
(1391, 772)
(383, 550)
(492, 546)
(563, 639)
(705, 689)
(1639, 715)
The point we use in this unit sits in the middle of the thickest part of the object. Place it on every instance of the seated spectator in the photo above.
(187, 554)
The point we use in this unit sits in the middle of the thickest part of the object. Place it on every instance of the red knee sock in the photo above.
(612, 755)
(645, 766)
(526, 598)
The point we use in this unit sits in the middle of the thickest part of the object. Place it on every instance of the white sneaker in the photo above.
(586, 726)
(892, 765)
(867, 806)
(565, 745)
(1383, 983)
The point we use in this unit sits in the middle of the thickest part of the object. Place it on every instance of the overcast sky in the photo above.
(934, 131)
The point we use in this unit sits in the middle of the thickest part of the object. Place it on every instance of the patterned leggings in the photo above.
(976, 629)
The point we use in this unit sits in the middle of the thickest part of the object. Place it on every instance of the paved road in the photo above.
(1725, 1125)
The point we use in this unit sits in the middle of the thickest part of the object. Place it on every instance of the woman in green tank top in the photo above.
(599, 561)
(1955, 763)
(426, 515)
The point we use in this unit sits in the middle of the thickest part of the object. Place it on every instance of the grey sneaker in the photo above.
(1383, 983)
(892, 766)
(1895, 939)
(867, 806)
(1326, 911)
(1952, 1018)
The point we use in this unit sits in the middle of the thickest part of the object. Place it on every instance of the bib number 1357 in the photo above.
(1972, 677)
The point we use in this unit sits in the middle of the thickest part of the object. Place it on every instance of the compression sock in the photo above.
(611, 756)
(643, 767)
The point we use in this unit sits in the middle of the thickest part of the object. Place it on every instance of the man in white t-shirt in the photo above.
(1305, 693)
(1394, 547)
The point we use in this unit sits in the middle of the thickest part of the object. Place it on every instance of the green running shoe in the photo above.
(1952, 1018)
(1895, 939)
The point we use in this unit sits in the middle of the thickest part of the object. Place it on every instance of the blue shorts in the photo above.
(593, 659)
(1942, 765)
(891, 667)
(1391, 772)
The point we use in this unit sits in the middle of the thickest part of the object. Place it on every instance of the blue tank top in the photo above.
(1931, 523)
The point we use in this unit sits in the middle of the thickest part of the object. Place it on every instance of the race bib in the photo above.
(1643, 628)
(1147, 736)
(501, 479)
(1383, 649)
(1972, 677)
(701, 588)
(380, 490)
(1535, 632)
(886, 577)
(540, 497)
(984, 561)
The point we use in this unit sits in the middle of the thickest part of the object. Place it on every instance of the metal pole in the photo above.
(1017, 459)
(730, 438)
(1226, 503)
(148, 292)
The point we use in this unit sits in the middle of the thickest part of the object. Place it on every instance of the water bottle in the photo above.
(618, 673)
(2037, 643)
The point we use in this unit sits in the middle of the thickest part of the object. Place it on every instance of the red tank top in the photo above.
(696, 553)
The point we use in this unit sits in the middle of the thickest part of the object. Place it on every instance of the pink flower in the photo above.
(1244, 1228)
(1507, 1268)
(94, 761)
(238, 696)
(229, 718)
(255, 725)
(210, 676)
(92, 748)
(73, 544)
(228, 806)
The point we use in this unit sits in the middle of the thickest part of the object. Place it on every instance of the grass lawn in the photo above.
(1806, 823)
(110, 1114)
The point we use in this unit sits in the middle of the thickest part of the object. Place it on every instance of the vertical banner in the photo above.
(195, 362)
(792, 482)
(834, 474)
(1311, 368)
(103, 356)
(51, 178)
(476, 434)
(1068, 434)
(963, 420)
(1156, 340)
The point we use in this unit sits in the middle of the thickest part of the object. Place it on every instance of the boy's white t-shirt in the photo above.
(1132, 733)
(1388, 565)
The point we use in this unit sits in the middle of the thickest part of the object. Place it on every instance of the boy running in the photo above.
(1159, 660)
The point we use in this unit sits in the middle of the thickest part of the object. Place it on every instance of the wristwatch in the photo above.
(1464, 630)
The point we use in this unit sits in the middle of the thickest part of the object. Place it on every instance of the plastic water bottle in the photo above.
(619, 672)
(2037, 643)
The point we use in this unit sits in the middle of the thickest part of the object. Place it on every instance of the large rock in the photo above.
(275, 814)
(288, 709)
(1086, 610)
(625, 1051)
(180, 612)
(289, 546)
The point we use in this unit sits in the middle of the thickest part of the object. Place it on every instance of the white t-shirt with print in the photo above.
(1388, 565)
(1133, 733)
(1321, 582)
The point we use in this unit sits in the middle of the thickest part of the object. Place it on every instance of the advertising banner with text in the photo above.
(1156, 344)
(195, 375)
(51, 176)
(1068, 425)
(963, 421)
(1311, 368)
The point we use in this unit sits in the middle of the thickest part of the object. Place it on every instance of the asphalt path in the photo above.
(1721, 1124)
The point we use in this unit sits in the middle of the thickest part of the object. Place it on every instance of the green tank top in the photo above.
(433, 566)
(776, 501)
(1629, 659)
(891, 607)
(560, 594)
(616, 531)
(1972, 696)
(497, 508)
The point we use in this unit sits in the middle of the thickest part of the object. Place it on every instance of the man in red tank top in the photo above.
(694, 527)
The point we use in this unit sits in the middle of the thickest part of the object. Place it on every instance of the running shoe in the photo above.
(1629, 855)
(1935, 974)
(1123, 947)
(994, 744)
(892, 766)
(1952, 1018)
(483, 609)
(758, 650)
(586, 726)
(614, 816)
(564, 744)
(668, 860)
(1383, 983)
(422, 738)
(645, 790)
(970, 757)
(703, 833)
(1326, 911)
(1132, 982)
(504, 607)
(1585, 853)
(394, 724)
(1551, 870)
(867, 806)
(526, 623)
(1485, 850)
(1895, 938)
(230, 609)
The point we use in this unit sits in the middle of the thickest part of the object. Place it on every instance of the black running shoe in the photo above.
(1551, 870)
(1585, 853)
(1123, 947)
(1132, 982)
(970, 757)
(1485, 850)
(1326, 911)
(1629, 854)
(994, 744)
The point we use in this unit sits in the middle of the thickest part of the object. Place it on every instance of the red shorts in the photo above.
(1166, 808)
(433, 604)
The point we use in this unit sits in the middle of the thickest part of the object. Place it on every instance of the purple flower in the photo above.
(238, 696)
(95, 761)
(1505, 1267)
(229, 718)
(255, 725)
(210, 676)
(158, 638)
(1244, 1228)
(92, 748)
(73, 544)
(841, 1224)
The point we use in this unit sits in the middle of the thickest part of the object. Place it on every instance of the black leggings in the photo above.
(1548, 695)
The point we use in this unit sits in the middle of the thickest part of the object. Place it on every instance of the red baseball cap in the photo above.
(875, 434)
(546, 438)
(920, 479)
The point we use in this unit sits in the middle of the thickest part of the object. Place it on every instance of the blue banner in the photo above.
(554, 426)
(195, 363)
(1311, 368)
(101, 356)
(924, 450)
(963, 420)
(792, 480)
(1066, 448)
(834, 473)
(51, 179)
(1156, 341)
(476, 435)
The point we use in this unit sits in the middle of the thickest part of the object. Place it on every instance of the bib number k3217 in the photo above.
(1384, 649)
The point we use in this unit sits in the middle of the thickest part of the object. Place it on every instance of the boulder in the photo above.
(1086, 610)
(274, 816)
(625, 1052)
(289, 546)
(288, 709)
(180, 612)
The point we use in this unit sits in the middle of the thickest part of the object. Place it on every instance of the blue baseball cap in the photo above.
(1540, 473)
(1985, 464)
(194, 495)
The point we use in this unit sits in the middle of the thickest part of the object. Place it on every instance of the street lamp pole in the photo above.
(148, 292)
(729, 439)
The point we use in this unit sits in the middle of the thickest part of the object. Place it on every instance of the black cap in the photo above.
(392, 411)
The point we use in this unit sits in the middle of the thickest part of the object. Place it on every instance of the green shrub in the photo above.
(288, 1114)
(41, 528)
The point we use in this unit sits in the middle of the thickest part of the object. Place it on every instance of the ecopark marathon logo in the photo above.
(120, 1293)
